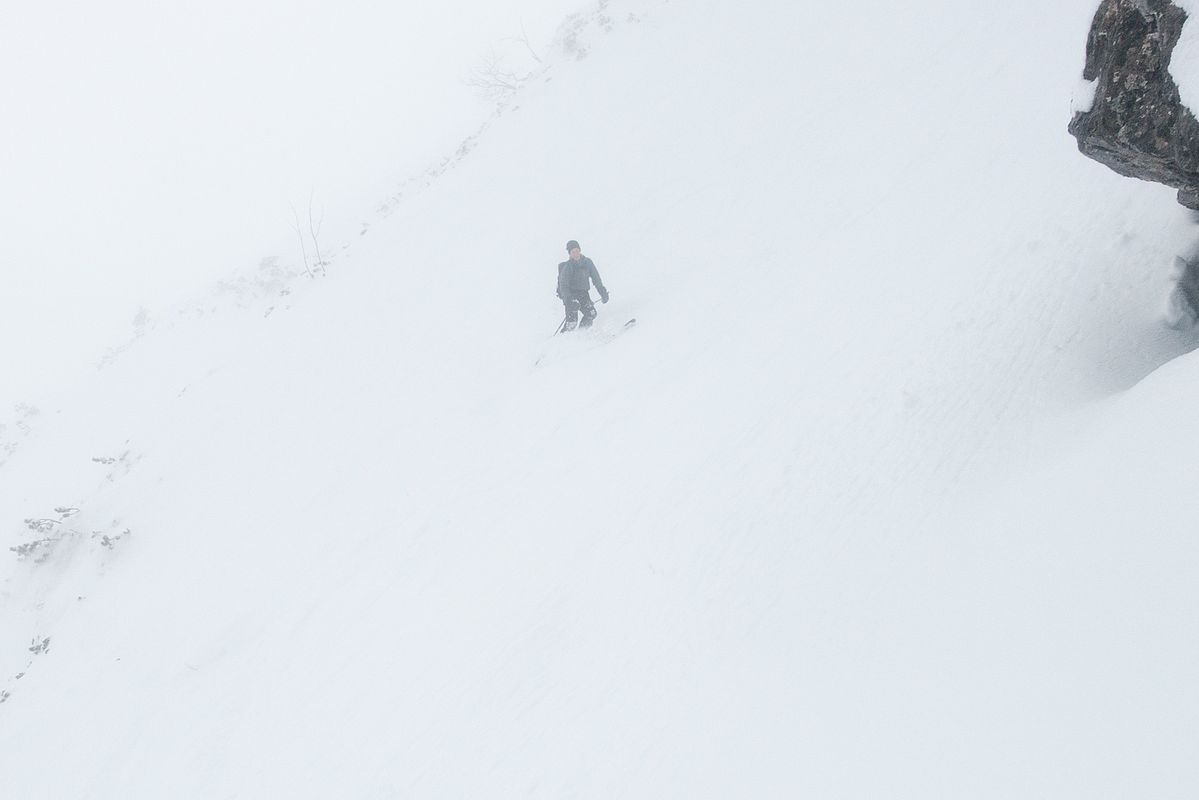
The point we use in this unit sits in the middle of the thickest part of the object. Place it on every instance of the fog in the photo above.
(151, 148)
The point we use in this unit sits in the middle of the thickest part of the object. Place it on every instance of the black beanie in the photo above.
(571, 245)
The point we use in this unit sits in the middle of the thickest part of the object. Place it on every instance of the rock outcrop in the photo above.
(1137, 124)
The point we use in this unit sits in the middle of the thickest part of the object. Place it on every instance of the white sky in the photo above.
(148, 147)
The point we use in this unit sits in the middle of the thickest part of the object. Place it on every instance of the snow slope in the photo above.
(873, 501)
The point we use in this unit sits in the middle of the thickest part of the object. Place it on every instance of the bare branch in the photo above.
(314, 229)
(524, 39)
(300, 235)
(493, 79)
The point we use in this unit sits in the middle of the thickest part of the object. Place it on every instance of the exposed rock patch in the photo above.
(1137, 124)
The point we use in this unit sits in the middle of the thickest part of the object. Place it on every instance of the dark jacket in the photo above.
(575, 278)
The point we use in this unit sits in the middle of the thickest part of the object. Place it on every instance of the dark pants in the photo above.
(574, 304)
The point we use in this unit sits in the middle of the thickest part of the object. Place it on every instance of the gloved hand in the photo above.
(604, 295)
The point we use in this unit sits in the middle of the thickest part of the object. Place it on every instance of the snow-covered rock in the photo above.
(1137, 124)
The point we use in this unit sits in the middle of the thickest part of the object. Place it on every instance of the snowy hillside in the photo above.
(885, 495)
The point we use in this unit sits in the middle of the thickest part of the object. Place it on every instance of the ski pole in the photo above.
(560, 326)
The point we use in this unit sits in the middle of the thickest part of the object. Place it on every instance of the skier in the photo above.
(575, 276)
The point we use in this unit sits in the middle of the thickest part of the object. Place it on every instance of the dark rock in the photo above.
(1137, 125)
(1182, 305)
